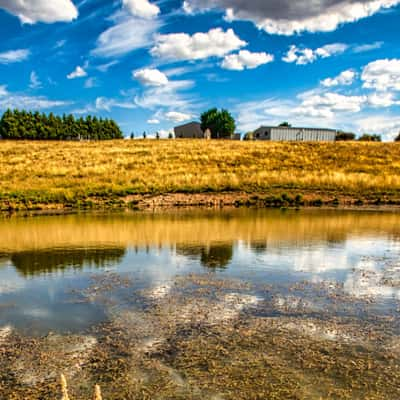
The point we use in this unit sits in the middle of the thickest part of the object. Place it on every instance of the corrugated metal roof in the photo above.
(296, 128)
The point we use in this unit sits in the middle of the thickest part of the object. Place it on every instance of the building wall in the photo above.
(189, 131)
(295, 134)
(262, 134)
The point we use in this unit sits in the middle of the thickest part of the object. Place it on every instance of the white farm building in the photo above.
(289, 134)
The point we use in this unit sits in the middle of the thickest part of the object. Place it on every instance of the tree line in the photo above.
(24, 125)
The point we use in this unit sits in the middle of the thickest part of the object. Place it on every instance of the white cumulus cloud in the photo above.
(175, 116)
(141, 8)
(287, 17)
(79, 72)
(303, 56)
(14, 56)
(345, 78)
(379, 100)
(387, 125)
(150, 77)
(49, 11)
(382, 75)
(246, 60)
(181, 46)
(327, 104)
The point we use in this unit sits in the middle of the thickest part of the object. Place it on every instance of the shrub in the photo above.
(345, 136)
(370, 138)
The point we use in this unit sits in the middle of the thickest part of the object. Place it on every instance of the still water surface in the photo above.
(45, 261)
(247, 304)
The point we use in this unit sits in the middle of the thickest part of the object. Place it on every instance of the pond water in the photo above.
(310, 299)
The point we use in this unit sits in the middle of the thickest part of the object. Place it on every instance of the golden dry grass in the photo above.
(69, 172)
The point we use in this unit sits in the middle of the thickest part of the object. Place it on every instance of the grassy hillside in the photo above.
(39, 174)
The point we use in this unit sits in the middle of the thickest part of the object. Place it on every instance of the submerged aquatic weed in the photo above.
(64, 388)
(97, 393)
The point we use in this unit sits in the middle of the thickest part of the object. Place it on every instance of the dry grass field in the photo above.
(89, 174)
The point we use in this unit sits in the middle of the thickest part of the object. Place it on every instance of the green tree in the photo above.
(16, 124)
(345, 136)
(397, 138)
(285, 125)
(370, 138)
(219, 122)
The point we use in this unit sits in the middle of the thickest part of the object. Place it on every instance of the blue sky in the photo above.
(151, 65)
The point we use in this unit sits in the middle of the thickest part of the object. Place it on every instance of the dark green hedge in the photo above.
(23, 125)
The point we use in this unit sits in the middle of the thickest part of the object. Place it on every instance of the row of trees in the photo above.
(366, 137)
(23, 125)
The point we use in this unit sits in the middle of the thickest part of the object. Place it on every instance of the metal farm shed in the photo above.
(283, 133)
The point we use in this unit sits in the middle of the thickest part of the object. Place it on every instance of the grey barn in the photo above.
(192, 130)
(284, 133)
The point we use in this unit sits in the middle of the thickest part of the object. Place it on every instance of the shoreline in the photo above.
(207, 201)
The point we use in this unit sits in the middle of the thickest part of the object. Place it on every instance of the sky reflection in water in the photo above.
(46, 263)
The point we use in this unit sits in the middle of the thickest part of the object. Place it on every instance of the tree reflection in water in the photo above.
(32, 263)
(212, 256)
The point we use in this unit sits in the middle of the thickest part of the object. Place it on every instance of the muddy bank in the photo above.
(275, 198)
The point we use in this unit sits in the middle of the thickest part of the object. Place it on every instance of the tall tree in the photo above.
(219, 122)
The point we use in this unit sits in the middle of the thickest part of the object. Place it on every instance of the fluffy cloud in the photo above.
(379, 100)
(382, 75)
(153, 121)
(141, 8)
(32, 11)
(13, 56)
(246, 60)
(79, 72)
(286, 17)
(327, 104)
(387, 125)
(150, 77)
(346, 78)
(181, 46)
(303, 56)
(175, 116)
(127, 35)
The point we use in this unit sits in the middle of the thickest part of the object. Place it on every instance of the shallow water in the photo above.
(324, 275)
